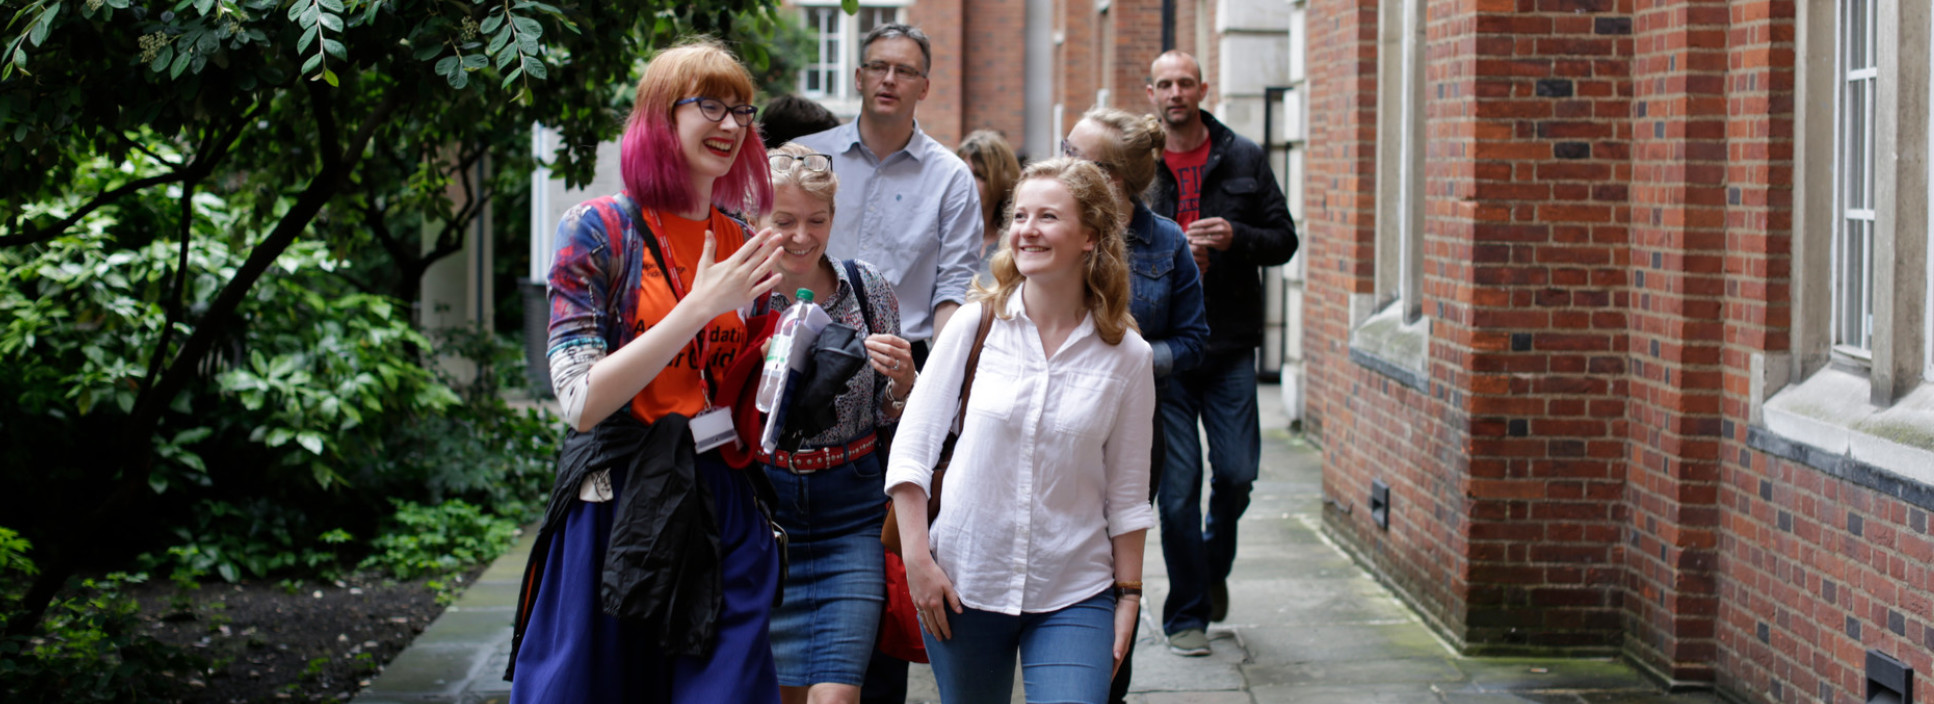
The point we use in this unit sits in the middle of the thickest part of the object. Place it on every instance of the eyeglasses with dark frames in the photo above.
(1069, 151)
(714, 109)
(783, 163)
(879, 69)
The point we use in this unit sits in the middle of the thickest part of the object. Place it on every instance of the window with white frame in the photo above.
(836, 45)
(1858, 380)
(1853, 242)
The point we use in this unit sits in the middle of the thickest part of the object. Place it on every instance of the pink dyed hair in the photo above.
(652, 161)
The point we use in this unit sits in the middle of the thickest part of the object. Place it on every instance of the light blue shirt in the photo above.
(915, 216)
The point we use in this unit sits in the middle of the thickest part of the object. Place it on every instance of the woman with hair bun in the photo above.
(649, 522)
(1168, 289)
(1037, 551)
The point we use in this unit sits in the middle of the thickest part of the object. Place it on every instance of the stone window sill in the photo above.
(1387, 345)
(1828, 423)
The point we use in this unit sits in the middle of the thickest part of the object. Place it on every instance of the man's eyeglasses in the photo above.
(879, 69)
(783, 163)
(714, 109)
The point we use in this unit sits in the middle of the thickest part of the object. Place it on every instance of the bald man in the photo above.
(1217, 185)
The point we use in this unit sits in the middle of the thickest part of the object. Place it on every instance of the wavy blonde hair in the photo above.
(1105, 277)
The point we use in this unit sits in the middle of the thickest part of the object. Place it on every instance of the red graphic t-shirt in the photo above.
(1187, 168)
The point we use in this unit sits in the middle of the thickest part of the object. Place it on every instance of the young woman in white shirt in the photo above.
(1037, 551)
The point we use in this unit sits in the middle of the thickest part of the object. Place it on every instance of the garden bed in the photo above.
(283, 641)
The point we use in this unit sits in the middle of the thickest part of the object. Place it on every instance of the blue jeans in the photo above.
(1066, 655)
(1222, 393)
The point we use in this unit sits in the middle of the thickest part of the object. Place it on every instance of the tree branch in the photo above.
(39, 235)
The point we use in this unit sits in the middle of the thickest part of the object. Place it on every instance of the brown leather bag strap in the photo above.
(973, 357)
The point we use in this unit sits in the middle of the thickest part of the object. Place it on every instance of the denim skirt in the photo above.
(835, 580)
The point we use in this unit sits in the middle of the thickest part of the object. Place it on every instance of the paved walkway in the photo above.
(1305, 625)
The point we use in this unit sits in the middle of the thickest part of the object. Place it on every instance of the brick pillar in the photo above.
(1677, 257)
(1537, 292)
(1760, 590)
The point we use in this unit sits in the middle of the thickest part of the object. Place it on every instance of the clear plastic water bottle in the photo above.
(797, 328)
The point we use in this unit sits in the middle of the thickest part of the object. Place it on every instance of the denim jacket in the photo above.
(1168, 292)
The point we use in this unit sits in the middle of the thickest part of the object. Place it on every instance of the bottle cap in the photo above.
(804, 295)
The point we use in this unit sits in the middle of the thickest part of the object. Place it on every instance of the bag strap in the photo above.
(973, 358)
(608, 208)
(866, 302)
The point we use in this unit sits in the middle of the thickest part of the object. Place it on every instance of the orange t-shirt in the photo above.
(679, 388)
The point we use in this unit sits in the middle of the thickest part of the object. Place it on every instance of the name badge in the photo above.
(712, 429)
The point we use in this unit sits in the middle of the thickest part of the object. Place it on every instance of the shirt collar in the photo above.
(848, 137)
(1140, 221)
(1017, 309)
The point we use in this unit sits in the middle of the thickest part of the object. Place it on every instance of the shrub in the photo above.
(92, 648)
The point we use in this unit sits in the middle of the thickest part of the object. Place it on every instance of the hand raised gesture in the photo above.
(720, 286)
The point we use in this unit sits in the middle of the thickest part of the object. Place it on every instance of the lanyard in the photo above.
(673, 277)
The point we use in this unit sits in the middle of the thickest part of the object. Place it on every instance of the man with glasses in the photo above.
(906, 205)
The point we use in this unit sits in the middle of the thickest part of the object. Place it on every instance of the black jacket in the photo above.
(1238, 186)
(662, 565)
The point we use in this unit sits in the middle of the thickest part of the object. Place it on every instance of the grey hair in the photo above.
(896, 30)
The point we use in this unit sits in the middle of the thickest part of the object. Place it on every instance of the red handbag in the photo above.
(899, 622)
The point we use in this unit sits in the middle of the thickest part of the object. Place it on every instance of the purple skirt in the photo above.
(573, 652)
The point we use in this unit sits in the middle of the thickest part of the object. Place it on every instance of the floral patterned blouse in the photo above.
(862, 408)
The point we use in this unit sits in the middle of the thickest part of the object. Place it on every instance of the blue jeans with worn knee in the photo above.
(1066, 655)
(1221, 393)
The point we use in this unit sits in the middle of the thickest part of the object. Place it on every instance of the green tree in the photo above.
(302, 115)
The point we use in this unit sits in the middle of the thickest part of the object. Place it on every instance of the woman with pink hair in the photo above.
(654, 575)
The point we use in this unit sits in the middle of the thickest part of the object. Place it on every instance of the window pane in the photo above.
(1857, 44)
(1856, 163)
(1853, 291)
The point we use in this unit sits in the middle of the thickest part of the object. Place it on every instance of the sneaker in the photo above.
(1219, 601)
(1191, 642)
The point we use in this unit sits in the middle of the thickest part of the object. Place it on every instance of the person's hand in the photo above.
(932, 593)
(1214, 233)
(892, 357)
(719, 287)
(1201, 254)
(1127, 608)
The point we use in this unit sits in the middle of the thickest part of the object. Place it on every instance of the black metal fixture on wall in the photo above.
(1889, 681)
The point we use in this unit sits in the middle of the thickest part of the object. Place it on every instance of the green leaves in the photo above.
(316, 17)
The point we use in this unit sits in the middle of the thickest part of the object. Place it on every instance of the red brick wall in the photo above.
(995, 69)
(1371, 427)
(941, 113)
(1607, 252)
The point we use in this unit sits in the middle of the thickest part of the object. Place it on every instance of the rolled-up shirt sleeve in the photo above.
(931, 408)
(1125, 453)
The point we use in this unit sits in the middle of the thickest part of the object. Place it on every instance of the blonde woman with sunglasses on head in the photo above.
(828, 491)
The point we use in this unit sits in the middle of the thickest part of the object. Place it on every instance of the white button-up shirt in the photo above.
(1052, 460)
